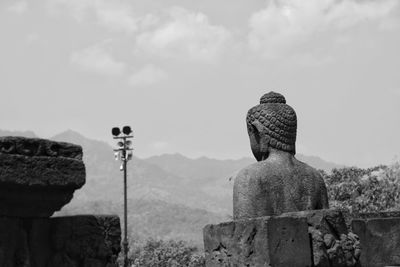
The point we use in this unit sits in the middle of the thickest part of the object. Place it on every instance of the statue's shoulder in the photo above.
(307, 169)
(249, 172)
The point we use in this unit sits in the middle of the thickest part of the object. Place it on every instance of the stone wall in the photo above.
(265, 241)
(62, 241)
(306, 238)
(380, 238)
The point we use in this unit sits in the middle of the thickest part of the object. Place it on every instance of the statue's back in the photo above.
(278, 182)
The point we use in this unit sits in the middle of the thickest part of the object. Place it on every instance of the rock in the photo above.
(328, 221)
(264, 241)
(319, 248)
(38, 176)
(380, 239)
(332, 244)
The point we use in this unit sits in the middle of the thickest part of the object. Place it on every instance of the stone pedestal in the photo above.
(317, 238)
(380, 239)
(265, 241)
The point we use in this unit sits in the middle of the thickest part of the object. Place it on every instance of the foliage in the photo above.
(364, 190)
(160, 253)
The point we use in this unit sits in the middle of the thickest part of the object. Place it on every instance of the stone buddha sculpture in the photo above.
(277, 182)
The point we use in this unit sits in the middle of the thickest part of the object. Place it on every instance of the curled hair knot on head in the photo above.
(275, 120)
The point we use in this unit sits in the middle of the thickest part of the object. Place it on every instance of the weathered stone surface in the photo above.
(41, 163)
(78, 241)
(38, 176)
(372, 215)
(15, 145)
(85, 241)
(332, 244)
(14, 250)
(350, 216)
(264, 241)
(328, 221)
(380, 240)
(278, 182)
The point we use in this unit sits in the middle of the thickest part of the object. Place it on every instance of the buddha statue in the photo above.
(277, 182)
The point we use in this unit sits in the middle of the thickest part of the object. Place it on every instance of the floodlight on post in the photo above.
(127, 130)
(115, 131)
(124, 154)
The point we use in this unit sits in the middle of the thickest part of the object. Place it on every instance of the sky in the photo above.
(183, 73)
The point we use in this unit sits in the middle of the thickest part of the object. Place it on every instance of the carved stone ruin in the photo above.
(280, 204)
(262, 241)
(37, 178)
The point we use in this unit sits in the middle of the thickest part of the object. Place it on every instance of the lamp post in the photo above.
(124, 153)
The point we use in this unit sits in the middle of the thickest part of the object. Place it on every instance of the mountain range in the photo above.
(170, 196)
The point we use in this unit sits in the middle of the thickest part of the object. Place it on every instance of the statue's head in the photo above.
(271, 124)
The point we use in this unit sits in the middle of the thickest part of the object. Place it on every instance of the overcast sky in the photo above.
(183, 73)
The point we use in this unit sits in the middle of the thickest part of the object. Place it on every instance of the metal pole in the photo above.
(121, 154)
(125, 242)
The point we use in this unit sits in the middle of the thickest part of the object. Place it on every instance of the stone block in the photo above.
(264, 241)
(14, 249)
(325, 220)
(76, 241)
(38, 176)
(85, 240)
(380, 240)
(332, 244)
(372, 215)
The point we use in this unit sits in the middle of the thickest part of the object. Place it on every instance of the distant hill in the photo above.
(171, 196)
(200, 168)
(146, 180)
(319, 163)
(205, 167)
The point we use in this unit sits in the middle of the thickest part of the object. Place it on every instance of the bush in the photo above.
(160, 253)
(364, 190)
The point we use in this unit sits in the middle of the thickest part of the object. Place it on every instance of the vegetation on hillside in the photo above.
(160, 253)
(364, 190)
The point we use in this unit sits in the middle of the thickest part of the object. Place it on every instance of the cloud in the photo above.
(171, 33)
(19, 7)
(115, 15)
(285, 24)
(147, 76)
(184, 35)
(97, 59)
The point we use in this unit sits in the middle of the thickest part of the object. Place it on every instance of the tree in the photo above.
(160, 253)
(364, 190)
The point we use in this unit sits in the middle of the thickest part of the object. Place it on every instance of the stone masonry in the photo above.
(37, 178)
